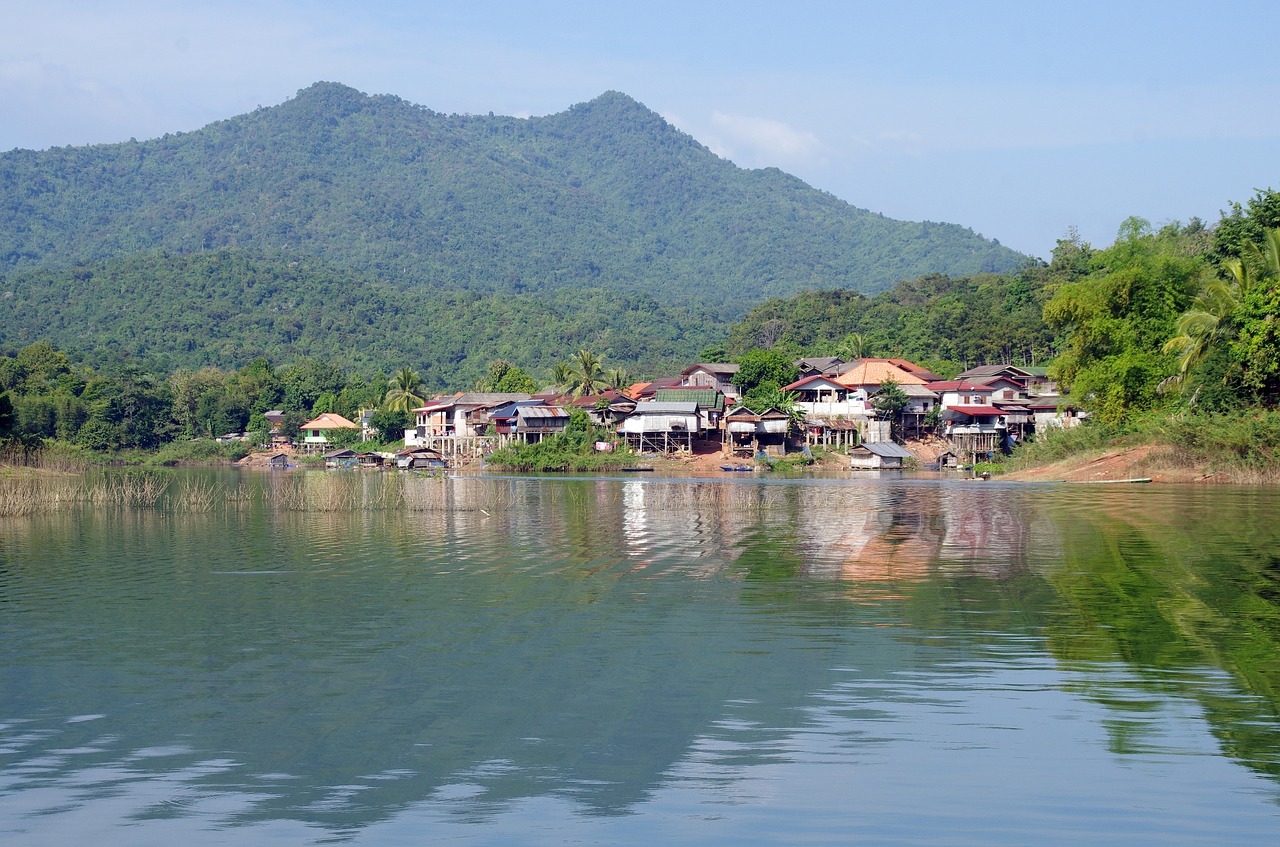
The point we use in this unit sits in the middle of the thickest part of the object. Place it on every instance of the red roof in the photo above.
(958, 385)
(975, 411)
(801, 383)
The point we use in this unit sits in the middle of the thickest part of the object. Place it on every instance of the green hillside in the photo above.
(604, 195)
(226, 308)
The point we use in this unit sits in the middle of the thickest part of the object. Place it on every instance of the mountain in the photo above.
(606, 195)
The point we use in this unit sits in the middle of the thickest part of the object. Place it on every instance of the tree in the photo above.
(764, 368)
(889, 402)
(404, 391)
(506, 378)
(587, 373)
(390, 423)
(562, 376)
(1115, 321)
(617, 378)
(7, 416)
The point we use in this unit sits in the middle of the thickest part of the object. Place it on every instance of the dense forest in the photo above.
(310, 256)
(604, 195)
(227, 307)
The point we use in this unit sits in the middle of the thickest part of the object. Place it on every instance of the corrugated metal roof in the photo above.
(657, 407)
(542, 412)
(887, 449)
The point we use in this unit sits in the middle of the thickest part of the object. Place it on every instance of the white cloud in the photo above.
(763, 140)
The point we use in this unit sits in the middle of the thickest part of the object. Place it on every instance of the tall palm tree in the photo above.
(404, 391)
(562, 375)
(588, 373)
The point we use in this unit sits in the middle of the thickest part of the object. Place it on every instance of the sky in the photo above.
(1020, 120)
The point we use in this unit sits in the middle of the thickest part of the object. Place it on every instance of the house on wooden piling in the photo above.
(657, 427)
(534, 423)
(747, 433)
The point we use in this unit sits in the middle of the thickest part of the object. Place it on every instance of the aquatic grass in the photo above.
(199, 495)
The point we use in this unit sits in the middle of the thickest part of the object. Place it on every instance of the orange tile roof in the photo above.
(330, 420)
(874, 373)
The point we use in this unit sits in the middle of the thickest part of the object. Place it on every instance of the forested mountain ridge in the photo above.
(604, 195)
(225, 308)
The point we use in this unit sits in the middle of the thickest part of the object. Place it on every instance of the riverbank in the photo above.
(1159, 463)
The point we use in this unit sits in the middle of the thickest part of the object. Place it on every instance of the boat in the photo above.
(734, 468)
(636, 470)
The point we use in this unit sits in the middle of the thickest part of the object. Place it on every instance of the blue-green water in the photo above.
(400, 660)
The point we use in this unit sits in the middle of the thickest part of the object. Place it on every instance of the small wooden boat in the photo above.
(636, 470)
(734, 468)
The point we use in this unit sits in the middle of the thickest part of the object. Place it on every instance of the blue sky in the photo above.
(1017, 119)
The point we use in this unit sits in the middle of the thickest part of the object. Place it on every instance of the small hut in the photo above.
(879, 455)
(420, 458)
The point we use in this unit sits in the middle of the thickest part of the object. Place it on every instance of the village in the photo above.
(699, 412)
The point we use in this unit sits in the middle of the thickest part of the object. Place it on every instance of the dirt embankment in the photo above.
(1148, 461)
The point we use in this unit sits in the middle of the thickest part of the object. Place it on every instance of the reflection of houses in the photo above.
(747, 432)
(880, 455)
(317, 431)
(661, 427)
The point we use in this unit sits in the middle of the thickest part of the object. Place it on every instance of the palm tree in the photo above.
(562, 375)
(587, 373)
(1207, 324)
(617, 378)
(404, 391)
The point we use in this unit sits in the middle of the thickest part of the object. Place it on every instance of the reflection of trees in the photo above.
(519, 638)
(1166, 586)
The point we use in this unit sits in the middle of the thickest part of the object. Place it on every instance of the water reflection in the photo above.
(319, 663)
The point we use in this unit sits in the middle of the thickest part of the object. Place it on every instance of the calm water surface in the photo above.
(386, 660)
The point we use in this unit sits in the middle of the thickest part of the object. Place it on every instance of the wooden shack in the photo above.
(879, 455)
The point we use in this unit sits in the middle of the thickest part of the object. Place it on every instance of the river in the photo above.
(323, 657)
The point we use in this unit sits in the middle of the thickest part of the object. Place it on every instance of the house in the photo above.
(344, 458)
(316, 437)
(710, 403)
(1053, 411)
(457, 415)
(974, 430)
(279, 461)
(661, 427)
(1032, 380)
(882, 455)
(420, 458)
(961, 392)
(870, 374)
(747, 433)
(822, 396)
(819, 366)
(717, 375)
(503, 418)
(534, 423)
(920, 402)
